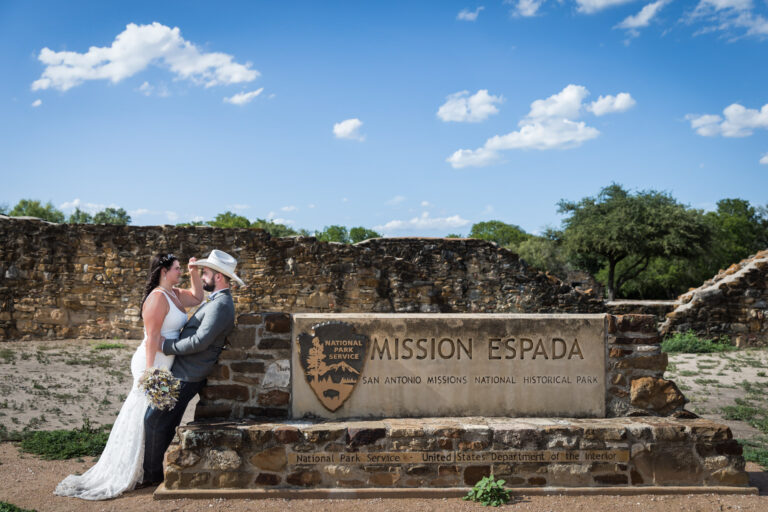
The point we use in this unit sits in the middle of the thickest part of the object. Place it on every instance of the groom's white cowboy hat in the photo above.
(221, 262)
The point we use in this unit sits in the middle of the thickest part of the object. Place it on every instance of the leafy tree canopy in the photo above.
(115, 216)
(229, 220)
(34, 208)
(359, 233)
(274, 229)
(454, 235)
(333, 233)
(80, 217)
(506, 235)
(617, 225)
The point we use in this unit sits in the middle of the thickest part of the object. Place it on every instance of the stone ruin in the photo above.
(733, 303)
(85, 281)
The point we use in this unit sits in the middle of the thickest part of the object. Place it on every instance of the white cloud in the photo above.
(550, 124)
(642, 18)
(344, 199)
(311, 205)
(426, 204)
(132, 51)
(395, 200)
(349, 129)
(488, 209)
(289, 208)
(461, 107)
(728, 16)
(612, 104)
(737, 121)
(37, 103)
(238, 207)
(172, 216)
(243, 97)
(278, 220)
(593, 6)
(140, 211)
(423, 222)
(467, 15)
(198, 218)
(86, 207)
(764, 159)
(146, 89)
(525, 8)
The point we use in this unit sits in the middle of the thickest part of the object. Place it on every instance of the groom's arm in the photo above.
(214, 323)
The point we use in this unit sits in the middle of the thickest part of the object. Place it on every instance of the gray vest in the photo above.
(202, 338)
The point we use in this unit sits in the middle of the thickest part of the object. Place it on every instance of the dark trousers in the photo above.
(159, 429)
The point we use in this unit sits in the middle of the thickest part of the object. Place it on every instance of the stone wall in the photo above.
(733, 303)
(85, 281)
(252, 377)
(452, 452)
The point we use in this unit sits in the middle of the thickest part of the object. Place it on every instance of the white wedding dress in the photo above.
(119, 468)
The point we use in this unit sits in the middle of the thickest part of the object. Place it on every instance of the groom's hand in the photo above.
(191, 267)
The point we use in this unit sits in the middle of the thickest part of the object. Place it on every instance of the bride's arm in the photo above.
(194, 295)
(154, 311)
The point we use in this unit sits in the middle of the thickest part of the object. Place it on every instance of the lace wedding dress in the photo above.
(119, 468)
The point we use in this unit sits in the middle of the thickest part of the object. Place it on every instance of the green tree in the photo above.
(34, 208)
(454, 235)
(191, 224)
(274, 229)
(80, 217)
(617, 227)
(358, 234)
(545, 253)
(3, 209)
(506, 235)
(229, 220)
(333, 234)
(115, 216)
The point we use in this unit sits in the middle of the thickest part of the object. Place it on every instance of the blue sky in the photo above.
(412, 118)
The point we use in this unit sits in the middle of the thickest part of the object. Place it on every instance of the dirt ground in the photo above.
(48, 385)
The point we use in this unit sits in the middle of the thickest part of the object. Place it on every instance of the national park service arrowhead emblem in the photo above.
(332, 357)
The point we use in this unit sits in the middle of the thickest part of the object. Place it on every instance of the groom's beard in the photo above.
(208, 286)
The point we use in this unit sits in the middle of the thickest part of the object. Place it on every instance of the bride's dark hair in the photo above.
(159, 262)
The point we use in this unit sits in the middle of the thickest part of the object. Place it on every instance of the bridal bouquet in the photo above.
(161, 388)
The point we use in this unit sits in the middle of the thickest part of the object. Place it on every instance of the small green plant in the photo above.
(489, 492)
(690, 343)
(10, 507)
(105, 345)
(66, 444)
(762, 374)
(7, 355)
(756, 450)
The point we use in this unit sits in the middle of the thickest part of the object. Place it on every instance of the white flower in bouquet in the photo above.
(161, 388)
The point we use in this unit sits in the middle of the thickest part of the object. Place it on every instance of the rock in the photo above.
(224, 460)
(278, 375)
(273, 459)
(656, 394)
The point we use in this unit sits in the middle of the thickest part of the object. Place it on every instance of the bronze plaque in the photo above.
(332, 357)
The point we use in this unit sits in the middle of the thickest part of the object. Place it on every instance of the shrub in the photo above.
(690, 343)
(489, 491)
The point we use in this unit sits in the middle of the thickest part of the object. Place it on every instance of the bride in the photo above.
(163, 306)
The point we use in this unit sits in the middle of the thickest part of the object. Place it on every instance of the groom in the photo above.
(201, 341)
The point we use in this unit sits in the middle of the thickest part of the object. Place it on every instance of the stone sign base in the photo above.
(446, 456)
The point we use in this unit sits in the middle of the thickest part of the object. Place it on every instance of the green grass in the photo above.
(756, 450)
(106, 345)
(66, 444)
(7, 355)
(10, 507)
(689, 343)
(688, 373)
